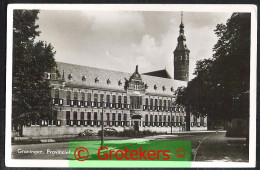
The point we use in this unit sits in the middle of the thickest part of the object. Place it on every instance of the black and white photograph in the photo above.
(131, 72)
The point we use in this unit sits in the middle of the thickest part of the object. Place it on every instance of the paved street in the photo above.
(206, 146)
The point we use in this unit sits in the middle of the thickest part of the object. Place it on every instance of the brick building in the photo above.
(131, 100)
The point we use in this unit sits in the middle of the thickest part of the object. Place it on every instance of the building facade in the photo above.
(130, 101)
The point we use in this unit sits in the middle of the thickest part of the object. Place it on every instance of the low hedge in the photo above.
(133, 133)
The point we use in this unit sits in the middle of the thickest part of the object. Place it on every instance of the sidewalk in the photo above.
(202, 131)
(70, 137)
(218, 147)
(64, 138)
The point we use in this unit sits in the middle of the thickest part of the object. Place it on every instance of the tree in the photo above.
(221, 86)
(31, 98)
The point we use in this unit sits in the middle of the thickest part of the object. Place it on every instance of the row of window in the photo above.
(45, 122)
(163, 108)
(97, 97)
(165, 118)
(163, 124)
(116, 105)
(78, 103)
(112, 99)
(110, 123)
(119, 123)
(198, 124)
(158, 102)
(195, 119)
(106, 116)
(96, 123)
(153, 118)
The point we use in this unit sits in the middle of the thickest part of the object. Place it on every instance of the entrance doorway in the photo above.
(136, 126)
(136, 119)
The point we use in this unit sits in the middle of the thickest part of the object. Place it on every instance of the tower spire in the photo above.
(181, 25)
(181, 56)
(182, 17)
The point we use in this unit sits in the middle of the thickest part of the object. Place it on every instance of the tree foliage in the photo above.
(31, 94)
(221, 86)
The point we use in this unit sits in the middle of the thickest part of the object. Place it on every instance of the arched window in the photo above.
(108, 98)
(146, 102)
(67, 117)
(173, 118)
(114, 98)
(89, 97)
(151, 104)
(156, 102)
(82, 116)
(75, 95)
(113, 116)
(119, 99)
(125, 99)
(83, 96)
(125, 117)
(68, 97)
(95, 99)
(75, 115)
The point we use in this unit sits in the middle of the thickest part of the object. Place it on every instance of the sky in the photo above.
(120, 40)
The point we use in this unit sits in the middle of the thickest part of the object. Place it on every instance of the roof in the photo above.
(160, 73)
(109, 79)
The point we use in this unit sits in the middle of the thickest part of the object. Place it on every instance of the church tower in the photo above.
(181, 56)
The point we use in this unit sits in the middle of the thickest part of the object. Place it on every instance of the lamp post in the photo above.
(171, 115)
(102, 123)
(171, 121)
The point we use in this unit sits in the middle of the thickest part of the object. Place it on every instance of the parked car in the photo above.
(109, 132)
(87, 132)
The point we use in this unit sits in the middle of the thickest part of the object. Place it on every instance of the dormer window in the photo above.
(163, 88)
(70, 76)
(119, 83)
(135, 82)
(155, 87)
(84, 78)
(96, 80)
(172, 89)
(146, 86)
(108, 81)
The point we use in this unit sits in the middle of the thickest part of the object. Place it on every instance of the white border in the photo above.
(133, 7)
